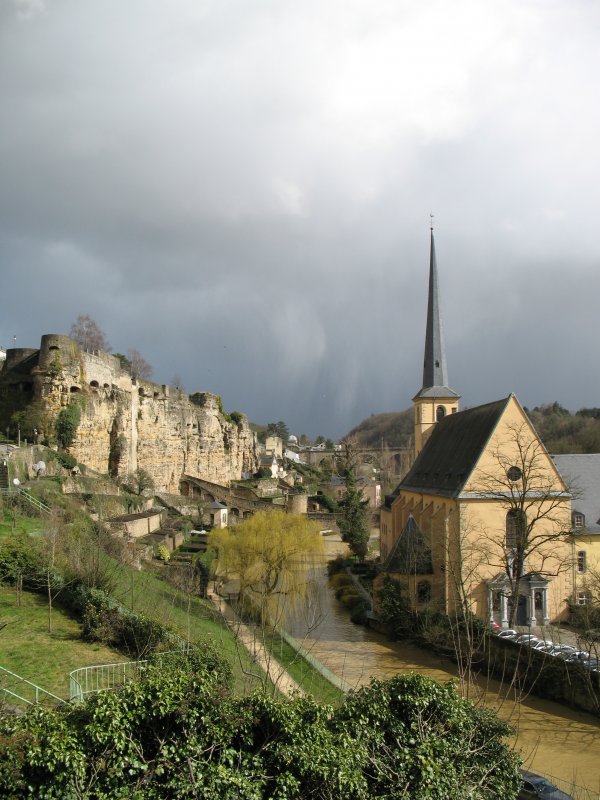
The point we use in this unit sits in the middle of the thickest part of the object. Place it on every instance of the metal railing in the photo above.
(103, 678)
(36, 693)
(38, 504)
(108, 677)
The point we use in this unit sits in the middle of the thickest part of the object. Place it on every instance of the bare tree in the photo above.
(138, 366)
(521, 478)
(88, 335)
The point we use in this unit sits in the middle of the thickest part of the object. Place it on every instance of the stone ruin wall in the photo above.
(148, 425)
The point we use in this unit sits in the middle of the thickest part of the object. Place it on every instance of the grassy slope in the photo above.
(17, 524)
(196, 619)
(193, 618)
(44, 658)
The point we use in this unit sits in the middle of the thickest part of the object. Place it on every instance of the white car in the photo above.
(546, 647)
(509, 633)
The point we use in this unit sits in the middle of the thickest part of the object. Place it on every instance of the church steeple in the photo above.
(435, 399)
(435, 372)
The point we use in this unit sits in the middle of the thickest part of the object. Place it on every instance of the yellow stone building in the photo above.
(482, 519)
(582, 473)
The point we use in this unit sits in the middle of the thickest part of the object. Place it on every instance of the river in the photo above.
(551, 738)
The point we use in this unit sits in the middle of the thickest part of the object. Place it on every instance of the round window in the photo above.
(513, 474)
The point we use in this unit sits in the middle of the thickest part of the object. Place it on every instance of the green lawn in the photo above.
(17, 523)
(28, 649)
(193, 618)
(308, 678)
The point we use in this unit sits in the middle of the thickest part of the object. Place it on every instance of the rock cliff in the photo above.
(127, 423)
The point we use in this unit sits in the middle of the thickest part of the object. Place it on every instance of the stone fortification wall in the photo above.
(127, 424)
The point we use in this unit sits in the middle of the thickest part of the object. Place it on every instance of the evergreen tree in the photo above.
(353, 520)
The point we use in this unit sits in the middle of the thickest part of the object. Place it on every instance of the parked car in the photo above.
(563, 650)
(535, 787)
(546, 647)
(508, 633)
(526, 638)
(577, 657)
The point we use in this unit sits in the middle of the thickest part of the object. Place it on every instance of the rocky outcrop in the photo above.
(127, 423)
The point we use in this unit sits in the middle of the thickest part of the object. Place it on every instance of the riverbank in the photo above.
(552, 739)
(287, 665)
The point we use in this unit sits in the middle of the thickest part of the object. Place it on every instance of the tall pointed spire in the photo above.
(435, 371)
(435, 399)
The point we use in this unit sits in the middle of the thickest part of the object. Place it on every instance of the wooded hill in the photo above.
(560, 430)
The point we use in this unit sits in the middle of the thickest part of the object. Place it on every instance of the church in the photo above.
(481, 520)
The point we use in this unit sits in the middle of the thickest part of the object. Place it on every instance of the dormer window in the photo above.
(578, 520)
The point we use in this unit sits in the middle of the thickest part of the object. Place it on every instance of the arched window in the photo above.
(516, 529)
(440, 413)
(423, 592)
(516, 540)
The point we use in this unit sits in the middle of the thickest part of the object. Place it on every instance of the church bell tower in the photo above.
(435, 399)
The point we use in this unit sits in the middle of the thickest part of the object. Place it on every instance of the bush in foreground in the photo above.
(180, 733)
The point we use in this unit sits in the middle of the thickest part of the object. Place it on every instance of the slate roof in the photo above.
(582, 473)
(436, 391)
(411, 555)
(452, 450)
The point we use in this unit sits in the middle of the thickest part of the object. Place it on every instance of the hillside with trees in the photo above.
(560, 430)
(393, 429)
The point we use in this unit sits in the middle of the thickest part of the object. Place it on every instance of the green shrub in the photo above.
(103, 620)
(178, 733)
(163, 553)
(67, 422)
(358, 611)
(348, 597)
(66, 460)
(338, 564)
(340, 579)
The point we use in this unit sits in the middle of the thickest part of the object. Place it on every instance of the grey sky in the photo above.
(241, 190)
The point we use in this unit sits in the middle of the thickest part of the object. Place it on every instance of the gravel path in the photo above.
(247, 636)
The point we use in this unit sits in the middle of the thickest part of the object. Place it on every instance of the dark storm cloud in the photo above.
(241, 191)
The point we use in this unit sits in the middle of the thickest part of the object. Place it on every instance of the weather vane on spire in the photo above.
(430, 222)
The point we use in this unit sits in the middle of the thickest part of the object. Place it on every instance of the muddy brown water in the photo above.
(552, 739)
